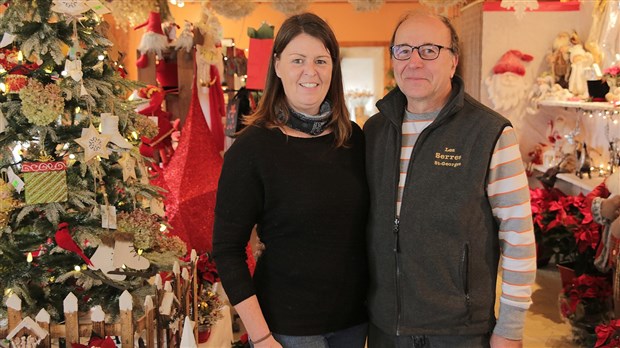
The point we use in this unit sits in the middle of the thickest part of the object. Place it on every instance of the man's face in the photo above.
(426, 83)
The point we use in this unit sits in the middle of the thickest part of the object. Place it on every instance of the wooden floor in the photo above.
(544, 326)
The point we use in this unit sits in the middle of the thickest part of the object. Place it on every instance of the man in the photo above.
(449, 196)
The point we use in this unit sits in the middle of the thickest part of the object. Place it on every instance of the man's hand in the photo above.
(503, 342)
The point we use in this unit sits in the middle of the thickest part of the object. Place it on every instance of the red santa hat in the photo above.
(153, 40)
(512, 61)
(153, 24)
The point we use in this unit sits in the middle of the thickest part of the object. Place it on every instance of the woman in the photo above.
(297, 172)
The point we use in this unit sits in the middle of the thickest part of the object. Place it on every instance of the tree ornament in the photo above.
(103, 260)
(72, 8)
(41, 104)
(109, 126)
(3, 122)
(126, 255)
(46, 182)
(129, 166)
(14, 180)
(94, 144)
(64, 240)
(7, 39)
(74, 69)
(7, 203)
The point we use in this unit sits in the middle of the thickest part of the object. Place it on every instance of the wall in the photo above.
(352, 28)
(489, 34)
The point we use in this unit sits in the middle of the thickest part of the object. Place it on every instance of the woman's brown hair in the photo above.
(274, 101)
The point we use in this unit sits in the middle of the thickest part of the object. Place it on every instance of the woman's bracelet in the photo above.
(262, 338)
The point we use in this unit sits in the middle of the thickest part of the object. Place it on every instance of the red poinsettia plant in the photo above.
(564, 228)
(608, 334)
(566, 232)
(586, 303)
(205, 267)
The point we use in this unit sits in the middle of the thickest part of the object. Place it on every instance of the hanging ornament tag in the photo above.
(15, 180)
(3, 122)
(7, 39)
(83, 90)
(74, 69)
(108, 216)
(157, 207)
(97, 7)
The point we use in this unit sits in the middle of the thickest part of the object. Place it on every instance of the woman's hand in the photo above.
(610, 208)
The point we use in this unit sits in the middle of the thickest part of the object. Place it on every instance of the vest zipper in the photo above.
(396, 229)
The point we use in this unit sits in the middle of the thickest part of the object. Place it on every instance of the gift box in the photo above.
(258, 62)
(46, 182)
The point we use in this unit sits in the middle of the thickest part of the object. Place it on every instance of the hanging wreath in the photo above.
(366, 5)
(233, 9)
(290, 7)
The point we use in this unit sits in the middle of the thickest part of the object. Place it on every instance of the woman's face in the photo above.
(305, 69)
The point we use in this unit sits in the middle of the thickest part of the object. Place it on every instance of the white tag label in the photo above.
(108, 216)
(97, 7)
(15, 180)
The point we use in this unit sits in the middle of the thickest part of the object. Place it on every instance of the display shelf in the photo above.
(607, 106)
(584, 184)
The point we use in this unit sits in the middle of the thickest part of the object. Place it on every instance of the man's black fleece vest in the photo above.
(448, 237)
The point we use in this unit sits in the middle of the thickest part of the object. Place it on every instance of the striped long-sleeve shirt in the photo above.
(508, 193)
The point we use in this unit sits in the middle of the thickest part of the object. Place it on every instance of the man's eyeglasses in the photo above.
(426, 52)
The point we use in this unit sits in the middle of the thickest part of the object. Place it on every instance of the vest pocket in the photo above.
(465, 279)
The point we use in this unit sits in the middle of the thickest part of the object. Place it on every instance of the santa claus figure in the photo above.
(507, 87)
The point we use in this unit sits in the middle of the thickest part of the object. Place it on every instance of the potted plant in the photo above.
(566, 232)
(209, 303)
(564, 229)
(586, 303)
(608, 335)
(209, 311)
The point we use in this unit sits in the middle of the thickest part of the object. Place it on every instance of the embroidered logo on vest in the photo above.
(448, 158)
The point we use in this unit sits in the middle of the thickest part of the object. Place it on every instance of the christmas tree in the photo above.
(76, 206)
